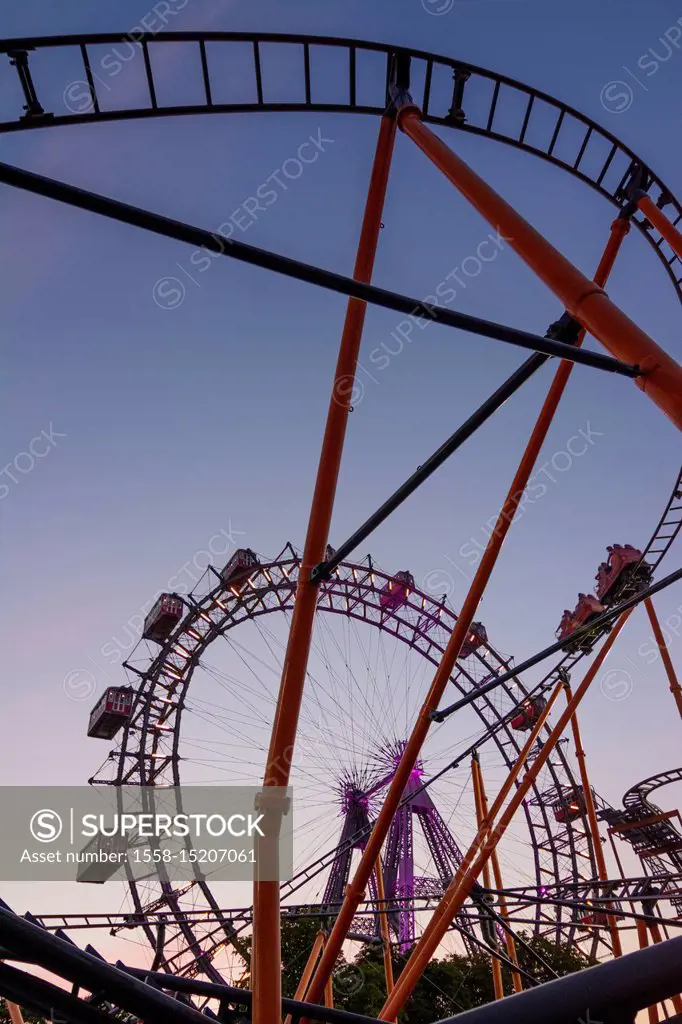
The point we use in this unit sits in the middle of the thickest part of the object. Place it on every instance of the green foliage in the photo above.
(448, 986)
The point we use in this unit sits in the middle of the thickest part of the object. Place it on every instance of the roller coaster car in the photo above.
(570, 807)
(239, 567)
(587, 608)
(110, 712)
(623, 573)
(396, 591)
(528, 714)
(477, 636)
(163, 618)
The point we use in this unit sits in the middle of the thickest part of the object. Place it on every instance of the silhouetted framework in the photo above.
(639, 196)
(612, 993)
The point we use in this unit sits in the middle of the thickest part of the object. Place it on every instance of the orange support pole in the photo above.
(329, 994)
(661, 377)
(267, 980)
(485, 841)
(592, 822)
(499, 885)
(643, 943)
(498, 987)
(661, 223)
(665, 654)
(355, 890)
(383, 925)
(302, 986)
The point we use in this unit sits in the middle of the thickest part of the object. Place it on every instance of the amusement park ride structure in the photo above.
(571, 898)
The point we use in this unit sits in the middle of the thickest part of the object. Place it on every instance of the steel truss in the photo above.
(148, 753)
(395, 102)
(451, 93)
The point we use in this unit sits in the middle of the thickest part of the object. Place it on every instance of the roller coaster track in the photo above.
(450, 92)
(649, 830)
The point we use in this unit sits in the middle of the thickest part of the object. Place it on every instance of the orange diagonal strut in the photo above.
(661, 223)
(592, 823)
(661, 377)
(498, 987)
(267, 983)
(486, 839)
(497, 875)
(665, 655)
(355, 890)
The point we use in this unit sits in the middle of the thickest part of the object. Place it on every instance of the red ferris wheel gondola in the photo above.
(528, 714)
(110, 712)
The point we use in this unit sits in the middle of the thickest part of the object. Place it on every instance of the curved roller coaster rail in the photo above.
(186, 925)
(612, 993)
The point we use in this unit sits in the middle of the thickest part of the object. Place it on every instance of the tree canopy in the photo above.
(450, 984)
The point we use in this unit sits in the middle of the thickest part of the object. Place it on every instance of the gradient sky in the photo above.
(179, 423)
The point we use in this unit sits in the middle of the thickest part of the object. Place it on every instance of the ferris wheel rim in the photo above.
(364, 571)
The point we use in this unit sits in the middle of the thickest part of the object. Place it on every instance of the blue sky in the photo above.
(173, 424)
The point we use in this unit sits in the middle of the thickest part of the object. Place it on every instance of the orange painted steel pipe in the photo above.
(661, 223)
(14, 1011)
(483, 835)
(593, 824)
(499, 885)
(383, 925)
(356, 887)
(495, 965)
(661, 377)
(480, 851)
(267, 983)
(355, 890)
(302, 986)
(665, 654)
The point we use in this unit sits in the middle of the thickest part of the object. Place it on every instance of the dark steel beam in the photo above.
(455, 441)
(602, 620)
(73, 964)
(182, 232)
(46, 1000)
(244, 997)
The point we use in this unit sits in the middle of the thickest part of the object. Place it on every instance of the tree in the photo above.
(298, 939)
(449, 985)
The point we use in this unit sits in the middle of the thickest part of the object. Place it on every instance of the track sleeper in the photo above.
(306, 71)
(205, 73)
(89, 77)
(259, 78)
(493, 105)
(150, 77)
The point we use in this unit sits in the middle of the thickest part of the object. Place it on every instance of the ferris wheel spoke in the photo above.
(367, 675)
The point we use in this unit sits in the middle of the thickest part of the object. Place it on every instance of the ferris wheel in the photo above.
(202, 713)
(205, 677)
